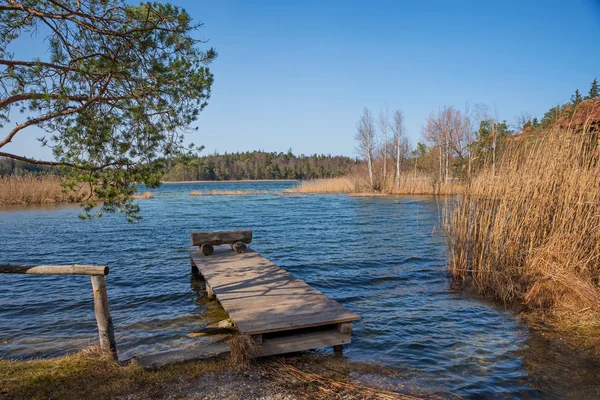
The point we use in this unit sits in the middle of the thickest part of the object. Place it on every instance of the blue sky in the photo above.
(298, 74)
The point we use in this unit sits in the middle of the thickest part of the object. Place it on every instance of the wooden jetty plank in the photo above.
(261, 297)
(302, 342)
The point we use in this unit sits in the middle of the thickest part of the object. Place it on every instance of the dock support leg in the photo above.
(258, 339)
(338, 350)
(195, 270)
(209, 291)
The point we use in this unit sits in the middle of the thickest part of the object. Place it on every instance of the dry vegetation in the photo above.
(531, 234)
(229, 192)
(32, 189)
(145, 195)
(356, 184)
(41, 189)
(91, 374)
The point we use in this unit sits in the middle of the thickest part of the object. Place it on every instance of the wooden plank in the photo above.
(73, 269)
(256, 327)
(261, 297)
(301, 342)
(222, 237)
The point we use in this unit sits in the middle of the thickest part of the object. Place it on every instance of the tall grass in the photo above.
(32, 189)
(531, 233)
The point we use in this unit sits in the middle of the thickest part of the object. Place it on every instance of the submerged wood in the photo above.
(74, 269)
(222, 237)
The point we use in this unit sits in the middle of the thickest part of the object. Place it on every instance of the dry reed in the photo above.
(334, 185)
(145, 195)
(331, 388)
(32, 189)
(242, 350)
(531, 233)
(358, 185)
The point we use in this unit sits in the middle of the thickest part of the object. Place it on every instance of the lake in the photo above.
(384, 258)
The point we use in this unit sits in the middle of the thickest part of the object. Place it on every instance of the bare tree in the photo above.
(467, 127)
(446, 131)
(384, 123)
(365, 136)
(400, 142)
(495, 136)
(522, 120)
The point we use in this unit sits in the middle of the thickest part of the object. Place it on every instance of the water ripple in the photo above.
(378, 256)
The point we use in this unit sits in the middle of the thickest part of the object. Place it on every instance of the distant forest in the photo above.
(9, 166)
(229, 166)
(258, 165)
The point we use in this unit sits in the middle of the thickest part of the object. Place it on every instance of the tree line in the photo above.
(257, 165)
(454, 145)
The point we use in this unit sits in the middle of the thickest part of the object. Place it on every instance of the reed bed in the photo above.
(31, 189)
(422, 184)
(230, 192)
(529, 234)
(358, 185)
(334, 185)
(145, 195)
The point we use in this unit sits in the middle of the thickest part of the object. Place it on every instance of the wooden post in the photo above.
(207, 249)
(74, 269)
(338, 350)
(209, 291)
(106, 330)
(238, 247)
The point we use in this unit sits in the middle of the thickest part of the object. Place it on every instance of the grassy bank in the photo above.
(359, 185)
(530, 233)
(32, 189)
(89, 374)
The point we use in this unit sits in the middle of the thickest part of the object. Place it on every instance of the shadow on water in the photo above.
(381, 257)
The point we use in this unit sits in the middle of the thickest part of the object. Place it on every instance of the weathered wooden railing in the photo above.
(105, 325)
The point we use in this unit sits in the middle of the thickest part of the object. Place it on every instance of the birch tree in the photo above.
(400, 142)
(384, 124)
(365, 136)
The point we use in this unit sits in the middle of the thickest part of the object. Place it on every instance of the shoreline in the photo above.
(301, 376)
(234, 181)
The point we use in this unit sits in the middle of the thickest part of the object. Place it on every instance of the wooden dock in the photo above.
(281, 313)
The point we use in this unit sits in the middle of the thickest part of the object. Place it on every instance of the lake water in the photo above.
(381, 257)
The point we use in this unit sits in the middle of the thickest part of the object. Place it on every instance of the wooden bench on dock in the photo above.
(281, 313)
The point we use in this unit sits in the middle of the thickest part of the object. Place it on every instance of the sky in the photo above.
(298, 74)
